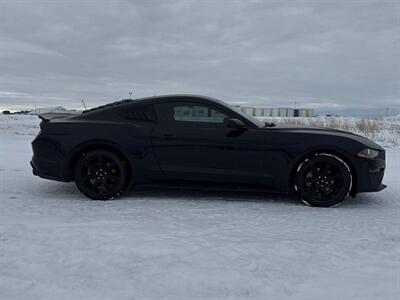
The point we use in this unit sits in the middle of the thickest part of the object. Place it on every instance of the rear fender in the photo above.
(96, 144)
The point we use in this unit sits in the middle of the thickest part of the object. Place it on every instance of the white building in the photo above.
(277, 111)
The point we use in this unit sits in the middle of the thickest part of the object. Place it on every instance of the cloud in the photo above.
(331, 56)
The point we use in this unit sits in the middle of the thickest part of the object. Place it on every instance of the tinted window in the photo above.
(187, 113)
(197, 113)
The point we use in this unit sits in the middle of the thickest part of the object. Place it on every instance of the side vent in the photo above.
(141, 113)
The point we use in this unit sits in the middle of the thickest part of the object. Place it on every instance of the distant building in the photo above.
(277, 112)
(6, 112)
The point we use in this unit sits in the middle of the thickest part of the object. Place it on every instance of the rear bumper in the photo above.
(47, 162)
(47, 171)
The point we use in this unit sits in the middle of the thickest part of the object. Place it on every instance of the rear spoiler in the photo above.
(46, 117)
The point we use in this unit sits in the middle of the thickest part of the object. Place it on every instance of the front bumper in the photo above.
(371, 173)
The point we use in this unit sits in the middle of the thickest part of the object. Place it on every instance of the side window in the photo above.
(189, 114)
(197, 113)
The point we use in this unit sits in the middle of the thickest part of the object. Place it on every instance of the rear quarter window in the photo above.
(144, 113)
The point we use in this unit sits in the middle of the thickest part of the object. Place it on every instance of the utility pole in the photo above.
(130, 95)
(295, 104)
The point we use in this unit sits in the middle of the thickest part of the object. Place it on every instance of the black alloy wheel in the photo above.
(323, 180)
(101, 175)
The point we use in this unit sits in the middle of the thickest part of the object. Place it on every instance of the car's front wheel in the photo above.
(101, 174)
(323, 180)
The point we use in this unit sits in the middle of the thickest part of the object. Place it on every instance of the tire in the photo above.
(101, 175)
(323, 180)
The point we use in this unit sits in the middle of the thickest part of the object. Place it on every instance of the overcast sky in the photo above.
(341, 56)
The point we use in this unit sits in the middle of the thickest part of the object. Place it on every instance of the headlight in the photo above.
(368, 153)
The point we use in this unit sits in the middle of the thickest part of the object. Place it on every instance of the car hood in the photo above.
(328, 131)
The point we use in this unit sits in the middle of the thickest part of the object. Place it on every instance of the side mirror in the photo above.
(235, 124)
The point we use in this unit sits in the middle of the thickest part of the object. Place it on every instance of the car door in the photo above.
(192, 142)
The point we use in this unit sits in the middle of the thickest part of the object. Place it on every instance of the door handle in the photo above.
(168, 136)
(225, 147)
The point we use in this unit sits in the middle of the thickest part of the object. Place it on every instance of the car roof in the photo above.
(174, 97)
(154, 99)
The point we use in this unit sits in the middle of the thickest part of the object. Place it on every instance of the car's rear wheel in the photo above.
(323, 180)
(101, 174)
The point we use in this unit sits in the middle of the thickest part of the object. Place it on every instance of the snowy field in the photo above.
(166, 244)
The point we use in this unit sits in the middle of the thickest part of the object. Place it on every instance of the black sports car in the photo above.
(189, 139)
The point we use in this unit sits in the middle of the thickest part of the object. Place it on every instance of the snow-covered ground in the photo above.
(168, 244)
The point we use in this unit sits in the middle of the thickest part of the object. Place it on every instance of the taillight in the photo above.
(38, 133)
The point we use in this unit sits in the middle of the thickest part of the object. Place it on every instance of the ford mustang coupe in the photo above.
(186, 139)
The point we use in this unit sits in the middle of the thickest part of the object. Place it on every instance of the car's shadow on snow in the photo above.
(201, 194)
(69, 190)
(237, 195)
(157, 193)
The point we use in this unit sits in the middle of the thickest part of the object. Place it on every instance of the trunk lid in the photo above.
(46, 117)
